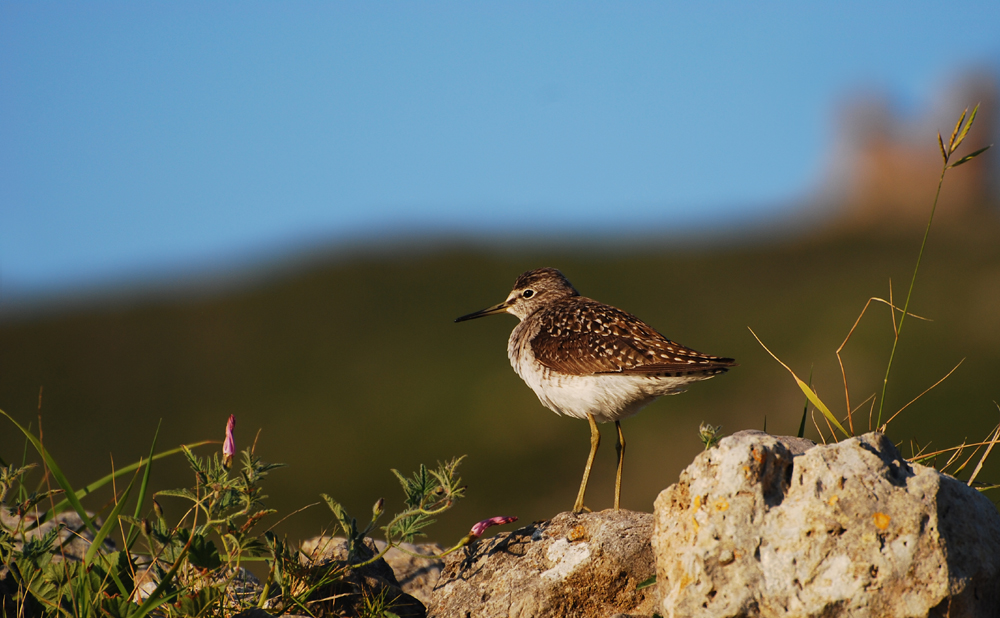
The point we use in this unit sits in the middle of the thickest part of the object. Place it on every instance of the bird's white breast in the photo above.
(606, 397)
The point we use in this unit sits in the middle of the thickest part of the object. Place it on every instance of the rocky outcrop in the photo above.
(348, 596)
(416, 576)
(72, 541)
(761, 526)
(587, 564)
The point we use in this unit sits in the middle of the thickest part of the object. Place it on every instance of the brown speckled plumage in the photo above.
(580, 336)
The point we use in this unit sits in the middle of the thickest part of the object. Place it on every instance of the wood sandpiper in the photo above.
(589, 360)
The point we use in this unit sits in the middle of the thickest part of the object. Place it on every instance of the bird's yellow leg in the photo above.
(595, 441)
(620, 447)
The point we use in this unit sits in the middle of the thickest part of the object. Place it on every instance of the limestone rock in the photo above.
(574, 565)
(368, 581)
(416, 576)
(73, 540)
(757, 527)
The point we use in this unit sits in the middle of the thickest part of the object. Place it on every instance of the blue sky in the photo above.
(159, 137)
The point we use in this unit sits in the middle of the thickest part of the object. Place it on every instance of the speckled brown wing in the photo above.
(581, 336)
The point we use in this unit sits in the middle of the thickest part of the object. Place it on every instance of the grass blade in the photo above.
(809, 392)
(108, 526)
(106, 529)
(965, 129)
(157, 597)
(979, 466)
(101, 482)
(57, 474)
(883, 427)
(143, 487)
(969, 157)
(805, 410)
(958, 125)
(145, 475)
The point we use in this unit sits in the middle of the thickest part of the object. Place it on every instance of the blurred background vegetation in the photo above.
(351, 365)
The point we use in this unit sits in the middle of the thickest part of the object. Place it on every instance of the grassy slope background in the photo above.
(351, 366)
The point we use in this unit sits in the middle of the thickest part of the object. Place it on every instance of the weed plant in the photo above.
(55, 558)
(920, 455)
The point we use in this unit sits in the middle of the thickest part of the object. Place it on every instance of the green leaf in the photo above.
(193, 460)
(408, 527)
(340, 513)
(199, 603)
(117, 566)
(38, 550)
(203, 553)
(418, 488)
(447, 478)
(118, 607)
(124, 567)
(178, 493)
(969, 157)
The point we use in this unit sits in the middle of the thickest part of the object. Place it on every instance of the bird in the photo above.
(588, 360)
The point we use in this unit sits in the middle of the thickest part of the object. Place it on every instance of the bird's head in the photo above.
(532, 291)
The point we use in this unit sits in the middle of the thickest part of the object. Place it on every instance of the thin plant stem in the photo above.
(909, 294)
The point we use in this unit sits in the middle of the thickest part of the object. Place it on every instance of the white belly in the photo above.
(606, 397)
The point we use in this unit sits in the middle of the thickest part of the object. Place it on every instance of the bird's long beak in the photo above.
(501, 308)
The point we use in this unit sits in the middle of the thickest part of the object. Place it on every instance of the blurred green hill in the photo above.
(351, 366)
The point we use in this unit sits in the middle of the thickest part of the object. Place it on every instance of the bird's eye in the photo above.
(528, 293)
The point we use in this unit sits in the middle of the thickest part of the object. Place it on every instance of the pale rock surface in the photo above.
(416, 576)
(585, 564)
(369, 580)
(761, 526)
(74, 538)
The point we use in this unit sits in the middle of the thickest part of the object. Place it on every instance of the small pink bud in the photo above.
(478, 530)
(229, 446)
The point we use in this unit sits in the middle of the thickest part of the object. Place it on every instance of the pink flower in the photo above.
(478, 530)
(229, 446)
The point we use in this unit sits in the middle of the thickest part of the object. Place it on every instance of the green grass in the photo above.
(353, 366)
(195, 559)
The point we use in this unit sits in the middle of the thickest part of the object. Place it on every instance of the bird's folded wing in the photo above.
(623, 345)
